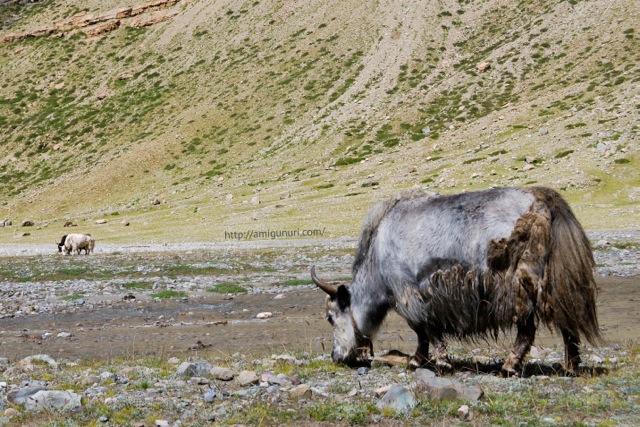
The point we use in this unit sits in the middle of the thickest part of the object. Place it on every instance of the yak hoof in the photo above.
(512, 366)
(509, 372)
(443, 365)
(416, 362)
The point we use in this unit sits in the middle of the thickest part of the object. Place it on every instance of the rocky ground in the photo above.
(93, 341)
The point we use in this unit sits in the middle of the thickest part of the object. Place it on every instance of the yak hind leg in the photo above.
(524, 340)
(571, 351)
(440, 357)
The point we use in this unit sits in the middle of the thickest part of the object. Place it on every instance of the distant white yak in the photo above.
(76, 242)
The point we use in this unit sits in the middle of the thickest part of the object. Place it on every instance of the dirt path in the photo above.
(213, 324)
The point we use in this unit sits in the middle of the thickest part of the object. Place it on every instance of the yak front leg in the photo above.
(440, 358)
(571, 350)
(421, 357)
(524, 341)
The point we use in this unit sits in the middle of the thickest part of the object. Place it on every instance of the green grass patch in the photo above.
(169, 294)
(72, 297)
(622, 161)
(474, 160)
(348, 161)
(137, 285)
(562, 154)
(226, 288)
(324, 186)
(297, 282)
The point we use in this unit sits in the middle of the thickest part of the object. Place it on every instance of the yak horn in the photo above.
(329, 289)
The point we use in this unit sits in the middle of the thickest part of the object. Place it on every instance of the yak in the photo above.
(468, 266)
(77, 242)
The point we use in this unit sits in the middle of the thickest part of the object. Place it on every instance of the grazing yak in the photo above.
(77, 242)
(468, 265)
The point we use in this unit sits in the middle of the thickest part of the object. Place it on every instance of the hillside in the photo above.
(195, 118)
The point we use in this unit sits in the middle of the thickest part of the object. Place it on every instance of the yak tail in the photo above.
(571, 266)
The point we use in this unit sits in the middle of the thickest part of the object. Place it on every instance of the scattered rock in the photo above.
(101, 221)
(363, 370)
(190, 369)
(264, 315)
(483, 67)
(20, 396)
(27, 223)
(440, 389)
(54, 399)
(247, 378)
(399, 399)
(209, 396)
(464, 413)
(301, 391)
(222, 374)
(40, 358)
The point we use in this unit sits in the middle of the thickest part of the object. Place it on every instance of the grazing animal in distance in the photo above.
(468, 265)
(61, 244)
(77, 242)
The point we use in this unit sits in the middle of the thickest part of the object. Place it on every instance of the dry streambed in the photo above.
(141, 338)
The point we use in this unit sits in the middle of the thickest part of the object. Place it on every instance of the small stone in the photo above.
(363, 370)
(103, 419)
(222, 374)
(422, 374)
(247, 378)
(382, 390)
(464, 413)
(11, 412)
(162, 423)
(105, 376)
(64, 335)
(39, 358)
(440, 389)
(398, 399)
(303, 390)
(209, 396)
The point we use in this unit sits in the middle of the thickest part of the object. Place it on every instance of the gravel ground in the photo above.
(302, 388)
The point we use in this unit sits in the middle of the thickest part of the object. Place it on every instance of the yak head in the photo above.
(61, 244)
(350, 346)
